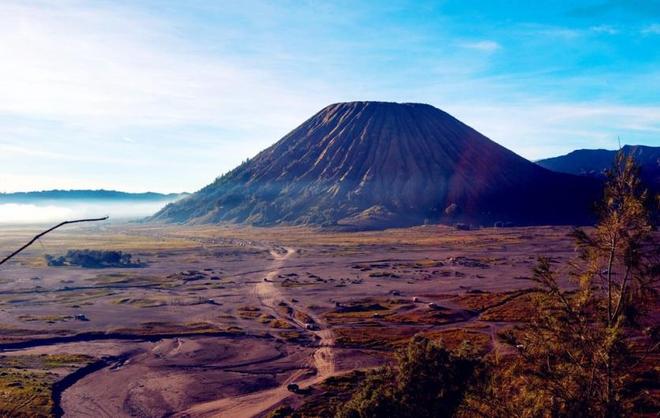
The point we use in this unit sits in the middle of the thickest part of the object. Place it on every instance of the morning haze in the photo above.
(329, 209)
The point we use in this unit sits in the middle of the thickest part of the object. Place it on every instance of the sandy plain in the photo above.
(222, 319)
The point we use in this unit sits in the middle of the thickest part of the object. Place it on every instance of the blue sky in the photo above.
(167, 95)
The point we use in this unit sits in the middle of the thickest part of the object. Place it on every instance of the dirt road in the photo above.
(322, 360)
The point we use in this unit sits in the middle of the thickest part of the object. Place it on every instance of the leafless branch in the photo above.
(36, 237)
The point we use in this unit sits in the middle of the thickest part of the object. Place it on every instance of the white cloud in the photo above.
(607, 29)
(97, 95)
(539, 129)
(95, 67)
(484, 46)
(559, 32)
(653, 29)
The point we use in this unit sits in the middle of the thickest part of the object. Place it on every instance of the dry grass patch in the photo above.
(249, 312)
(265, 318)
(26, 393)
(51, 319)
(291, 336)
(456, 338)
(26, 382)
(376, 337)
(365, 311)
(81, 297)
(480, 301)
(303, 317)
(516, 309)
(280, 324)
(44, 361)
(157, 328)
(429, 316)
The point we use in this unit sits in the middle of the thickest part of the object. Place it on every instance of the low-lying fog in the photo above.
(49, 212)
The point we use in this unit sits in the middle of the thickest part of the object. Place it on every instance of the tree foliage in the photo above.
(93, 259)
(427, 381)
(580, 355)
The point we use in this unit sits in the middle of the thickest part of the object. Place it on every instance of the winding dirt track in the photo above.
(259, 402)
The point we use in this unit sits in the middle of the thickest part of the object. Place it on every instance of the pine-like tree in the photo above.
(585, 347)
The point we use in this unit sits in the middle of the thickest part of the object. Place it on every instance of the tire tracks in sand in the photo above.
(322, 360)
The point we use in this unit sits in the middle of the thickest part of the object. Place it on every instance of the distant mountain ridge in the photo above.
(380, 164)
(59, 195)
(595, 162)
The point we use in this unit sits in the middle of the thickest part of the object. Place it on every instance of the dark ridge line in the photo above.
(269, 372)
(99, 336)
(75, 288)
(61, 385)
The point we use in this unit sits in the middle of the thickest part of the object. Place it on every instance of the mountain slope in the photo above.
(376, 164)
(594, 162)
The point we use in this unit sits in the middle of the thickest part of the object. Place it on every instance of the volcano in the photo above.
(378, 165)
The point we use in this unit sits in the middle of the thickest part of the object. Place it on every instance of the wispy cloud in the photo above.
(95, 66)
(568, 33)
(653, 29)
(539, 130)
(127, 95)
(607, 29)
(559, 32)
(484, 46)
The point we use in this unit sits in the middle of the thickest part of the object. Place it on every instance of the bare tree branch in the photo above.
(36, 237)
